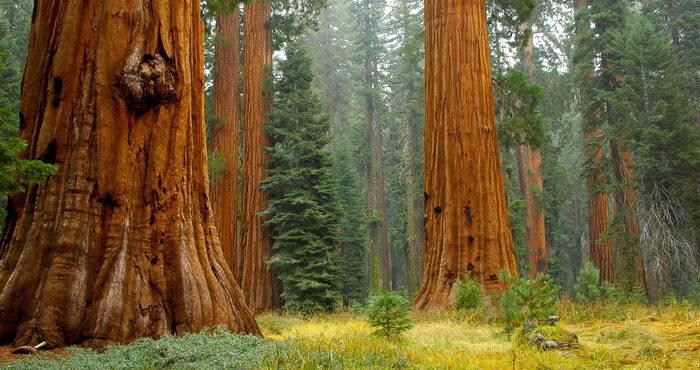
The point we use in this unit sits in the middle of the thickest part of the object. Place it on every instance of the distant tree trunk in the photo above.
(225, 139)
(378, 250)
(257, 280)
(598, 211)
(414, 221)
(467, 221)
(120, 243)
(530, 176)
(630, 256)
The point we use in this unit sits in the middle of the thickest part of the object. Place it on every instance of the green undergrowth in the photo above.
(218, 348)
(665, 336)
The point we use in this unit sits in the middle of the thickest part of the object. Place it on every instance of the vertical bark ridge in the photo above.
(225, 139)
(257, 280)
(465, 209)
(119, 244)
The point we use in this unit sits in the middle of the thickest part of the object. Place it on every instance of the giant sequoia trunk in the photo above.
(257, 280)
(120, 243)
(598, 209)
(225, 138)
(465, 208)
(530, 176)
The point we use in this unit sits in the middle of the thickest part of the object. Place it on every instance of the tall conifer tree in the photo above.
(303, 207)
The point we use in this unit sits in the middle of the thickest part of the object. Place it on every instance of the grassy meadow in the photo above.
(612, 335)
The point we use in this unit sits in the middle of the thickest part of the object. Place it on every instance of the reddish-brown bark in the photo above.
(257, 280)
(598, 212)
(598, 208)
(530, 176)
(120, 243)
(465, 208)
(225, 138)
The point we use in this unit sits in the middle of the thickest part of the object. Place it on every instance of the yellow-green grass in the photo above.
(611, 336)
(639, 337)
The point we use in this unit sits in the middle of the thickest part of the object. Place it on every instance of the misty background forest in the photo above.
(350, 183)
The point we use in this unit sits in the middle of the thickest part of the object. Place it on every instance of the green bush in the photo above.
(469, 293)
(528, 300)
(389, 313)
(586, 287)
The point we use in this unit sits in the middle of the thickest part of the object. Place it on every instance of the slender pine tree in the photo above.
(303, 210)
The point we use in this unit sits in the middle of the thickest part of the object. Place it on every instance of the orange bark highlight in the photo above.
(225, 138)
(120, 243)
(465, 208)
(257, 280)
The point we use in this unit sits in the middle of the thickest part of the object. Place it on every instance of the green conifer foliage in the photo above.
(304, 209)
(389, 313)
(15, 173)
(353, 233)
(658, 112)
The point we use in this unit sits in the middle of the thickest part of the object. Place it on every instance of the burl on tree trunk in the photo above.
(120, 243)
(465, 206)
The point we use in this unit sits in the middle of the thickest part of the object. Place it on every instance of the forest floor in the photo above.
(611, 336)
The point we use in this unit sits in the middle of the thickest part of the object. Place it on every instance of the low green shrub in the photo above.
(586, 287)
(528, 300)
(389, 313)
(218, 348)
(469, 294)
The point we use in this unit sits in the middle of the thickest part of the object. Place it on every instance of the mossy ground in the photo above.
(629, 336)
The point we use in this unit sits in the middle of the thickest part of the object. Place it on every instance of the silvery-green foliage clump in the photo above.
(217, 349)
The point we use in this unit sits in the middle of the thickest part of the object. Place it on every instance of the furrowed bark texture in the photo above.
(225, 139)
(120, 243)
(257, 280)
(530, 176)
(598, 208)
(465, 208)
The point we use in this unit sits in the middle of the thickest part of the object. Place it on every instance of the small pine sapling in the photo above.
(529, 300)
(586, 287)
(389, 313)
